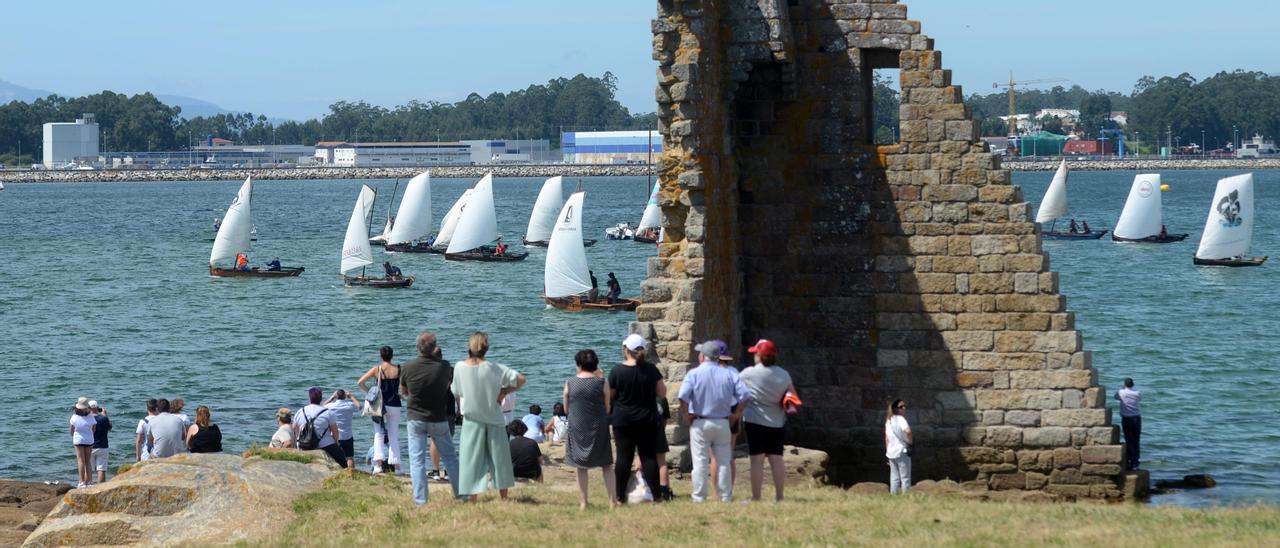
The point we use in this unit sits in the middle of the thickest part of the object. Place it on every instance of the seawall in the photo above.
(1147, 165)
(444, 172)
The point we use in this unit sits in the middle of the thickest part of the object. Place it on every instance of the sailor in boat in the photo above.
(1074, 229)
(615, 289)
(242, 262)
(217, 223)
(500, 249)
(274, 265)
(393, 272)
(595, 287)
(1085, 225)
(1164, 232)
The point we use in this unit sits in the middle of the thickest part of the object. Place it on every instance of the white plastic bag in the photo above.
(637, 490)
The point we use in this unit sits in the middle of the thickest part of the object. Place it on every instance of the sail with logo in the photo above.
(1141, 220)
(1054, 207)
(235, 235)
(566, 276)
(1228, 230)
(358, 253)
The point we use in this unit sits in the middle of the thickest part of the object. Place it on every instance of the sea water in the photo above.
(104, 292)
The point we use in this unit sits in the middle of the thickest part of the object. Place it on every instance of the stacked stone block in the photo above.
(907, 271)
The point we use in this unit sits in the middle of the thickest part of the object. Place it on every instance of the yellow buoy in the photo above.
(1164, 188)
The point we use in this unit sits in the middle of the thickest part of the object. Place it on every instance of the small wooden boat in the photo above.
(1091, 235)
(647, 236)
(647, 232)
(255, 272)
(579, 303)
(527, 243)
(1157, 239)
(413, 219)
(1054, 207)
(477, 229)
(358, 253)
(1141, 219)
(414, 247)
(1228, 229)
(566, 278)
(234, 238)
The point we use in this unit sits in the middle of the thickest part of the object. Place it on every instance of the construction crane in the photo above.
(1012, 85)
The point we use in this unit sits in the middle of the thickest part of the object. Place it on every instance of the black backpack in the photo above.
(308, 439)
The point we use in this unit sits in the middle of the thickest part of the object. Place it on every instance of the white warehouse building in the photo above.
(400, 154)
(64, 142)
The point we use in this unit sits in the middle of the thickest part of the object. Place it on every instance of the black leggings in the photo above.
(335, 452)
(630, 439)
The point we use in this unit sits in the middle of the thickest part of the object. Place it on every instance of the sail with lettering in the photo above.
(356, 251)
(566, 271)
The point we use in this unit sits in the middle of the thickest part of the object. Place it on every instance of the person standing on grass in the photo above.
(101, 452)
(764, 418)
(897, 447)
(1130, 422)
(142, 436)
(342, 406)
(386, 428)
(635, 387)
(480, 386)
(709, 396)
(424, 385)
(587, 401)
(82, 425)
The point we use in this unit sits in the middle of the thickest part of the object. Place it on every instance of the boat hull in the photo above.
(543, 243)
(1091, 235)
(1234, 261)
(486, 256)
(380, 283)
(286, 272)
(413, 248)
(1168, 239)
(579, 304)
(644, 240)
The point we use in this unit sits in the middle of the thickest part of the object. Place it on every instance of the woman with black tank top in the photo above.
(386, 438)
(203, 436)
(635, 385)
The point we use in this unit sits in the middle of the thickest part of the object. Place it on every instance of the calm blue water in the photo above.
(104, 292)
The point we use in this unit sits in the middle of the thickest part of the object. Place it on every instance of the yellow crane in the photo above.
(1011, 86)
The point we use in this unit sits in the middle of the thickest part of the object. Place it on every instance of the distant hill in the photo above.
(192, 107)
(14, 92)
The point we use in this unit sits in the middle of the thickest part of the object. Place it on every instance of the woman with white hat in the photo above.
(82, 425)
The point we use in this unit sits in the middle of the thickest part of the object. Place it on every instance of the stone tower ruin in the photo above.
(909, 270)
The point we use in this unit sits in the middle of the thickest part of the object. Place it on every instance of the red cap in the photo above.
(765, 347)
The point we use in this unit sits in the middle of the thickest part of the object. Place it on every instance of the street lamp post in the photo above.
(1202, 151)
(1235, 139)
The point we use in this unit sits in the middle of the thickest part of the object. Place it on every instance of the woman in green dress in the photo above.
(480, 386)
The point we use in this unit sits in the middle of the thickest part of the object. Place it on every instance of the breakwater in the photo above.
(1156, 164)
(313, 173)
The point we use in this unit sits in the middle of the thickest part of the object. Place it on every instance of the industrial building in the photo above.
(216, 155)
(401, 154)
(66, 143)
(610, 147)
(511, 151)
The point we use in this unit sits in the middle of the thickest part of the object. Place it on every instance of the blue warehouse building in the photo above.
(610, 147)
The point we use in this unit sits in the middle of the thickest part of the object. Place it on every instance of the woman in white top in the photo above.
(82, 426)
(283, 438)
(897, 443)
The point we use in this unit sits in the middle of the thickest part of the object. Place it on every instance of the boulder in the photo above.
(23, 505)
(1193, 481)
(186, 499)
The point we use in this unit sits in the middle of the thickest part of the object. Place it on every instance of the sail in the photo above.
(413, 219)
(566, 271)
(356, 252)
(450, 222)
(1054, 204)
(478, 221)
(1228, 231)
(652, 217)
(1141, 216)
(236, 230)
(545, 208)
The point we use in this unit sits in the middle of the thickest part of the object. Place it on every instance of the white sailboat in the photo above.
(1141, 220)
(651, 220)
(477, 229)
(1054, 206)
(566, 277)
(543, 218)
(381, 239)
(1228, 229)
(413, 219)
(358, 253)
(234, 239)
(449, 224)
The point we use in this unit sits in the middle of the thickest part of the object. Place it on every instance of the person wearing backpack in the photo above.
(315, 429)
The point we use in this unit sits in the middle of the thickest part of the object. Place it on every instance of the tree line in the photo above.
(142, 122)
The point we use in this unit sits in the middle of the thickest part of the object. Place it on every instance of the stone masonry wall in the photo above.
(906, 271)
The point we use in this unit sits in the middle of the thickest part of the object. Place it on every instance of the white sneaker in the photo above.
(81, 485)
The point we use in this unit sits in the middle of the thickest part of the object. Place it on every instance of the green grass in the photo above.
(277, 454)
(358, 509)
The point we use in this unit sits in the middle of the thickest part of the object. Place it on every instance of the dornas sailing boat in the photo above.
(651, 222)
(233, 241)
(413, 219)
(357, 253)
(449, 224)
(1228, 231)
(1054, 206)
(543, 217)
(566, 278)
(1142, 218)
(381, 239)
(476, 237)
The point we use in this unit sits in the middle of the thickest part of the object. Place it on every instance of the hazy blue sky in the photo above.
(292, 59)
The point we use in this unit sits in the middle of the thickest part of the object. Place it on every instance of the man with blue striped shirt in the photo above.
(711, 397)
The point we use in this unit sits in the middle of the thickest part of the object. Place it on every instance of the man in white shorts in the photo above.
(99, 455)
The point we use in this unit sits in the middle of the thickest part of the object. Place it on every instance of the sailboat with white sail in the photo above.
(1228, 230)
(357, 253)
(476, 237)
(381, 239)
(543, 218)
(1054, 206)
(234, 240)
(651, 221)
(413, 219)
(1142, 218)
(566, 277)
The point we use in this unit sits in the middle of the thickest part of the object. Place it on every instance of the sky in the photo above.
(291, 59)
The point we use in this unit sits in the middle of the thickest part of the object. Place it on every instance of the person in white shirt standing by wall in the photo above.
(897, 443)
(1130, 422)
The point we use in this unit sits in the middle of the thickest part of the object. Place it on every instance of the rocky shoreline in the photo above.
(1148, 165)
(318, 173)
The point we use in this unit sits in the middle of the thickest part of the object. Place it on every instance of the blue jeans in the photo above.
(419, 453)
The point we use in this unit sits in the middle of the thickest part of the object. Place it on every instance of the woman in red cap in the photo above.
(765, 417)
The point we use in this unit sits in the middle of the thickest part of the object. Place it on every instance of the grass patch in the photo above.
(358, 509)
(279, 454)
